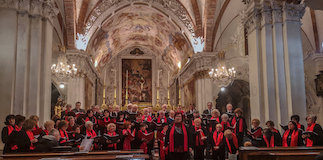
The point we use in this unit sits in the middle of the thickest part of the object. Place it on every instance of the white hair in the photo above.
(224, 116)
(88, 123)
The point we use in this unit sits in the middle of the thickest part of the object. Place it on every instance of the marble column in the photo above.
(203, 87)
(277, 88)
(26, 51)
(76, 91)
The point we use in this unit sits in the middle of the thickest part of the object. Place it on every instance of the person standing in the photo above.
(314, 139)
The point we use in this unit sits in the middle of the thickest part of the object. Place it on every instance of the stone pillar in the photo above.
(26, 46)
(76, 91)
(277, 88)
(203, 87)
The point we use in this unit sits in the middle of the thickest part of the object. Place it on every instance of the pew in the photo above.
(97, 155)
(279, 153)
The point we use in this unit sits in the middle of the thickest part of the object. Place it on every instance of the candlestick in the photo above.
(168, 79)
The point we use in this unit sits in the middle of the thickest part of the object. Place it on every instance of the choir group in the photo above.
(179, 134)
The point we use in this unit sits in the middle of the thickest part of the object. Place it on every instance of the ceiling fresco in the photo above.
(140, 26)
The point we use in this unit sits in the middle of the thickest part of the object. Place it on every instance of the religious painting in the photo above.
(189, 93)
(139, 81)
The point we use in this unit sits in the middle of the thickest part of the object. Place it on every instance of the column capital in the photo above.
(293, 12)
(277, 12)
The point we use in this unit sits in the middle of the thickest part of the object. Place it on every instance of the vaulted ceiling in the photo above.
(170, 28)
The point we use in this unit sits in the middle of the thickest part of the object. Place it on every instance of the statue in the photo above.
(59, 107)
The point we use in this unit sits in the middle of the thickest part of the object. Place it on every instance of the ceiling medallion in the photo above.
(136, 51)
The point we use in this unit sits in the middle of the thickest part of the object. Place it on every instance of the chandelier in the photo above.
(62, 69)
(222, 74)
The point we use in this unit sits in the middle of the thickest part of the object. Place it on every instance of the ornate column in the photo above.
(26, 36)
(276, 68)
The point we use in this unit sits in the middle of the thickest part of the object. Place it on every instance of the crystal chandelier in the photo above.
(62, 69)
(222, 74)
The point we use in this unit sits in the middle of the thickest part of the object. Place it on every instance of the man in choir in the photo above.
(171, 116)
(198, 139)
(296, 119)
(129, 108)
(218, 150)
(150, 112)
(209, 108)
(314, 134)
(47, 142)
(256, 130)
(177, 139)
(229, 111)
(78, 110)
(25, 139)
(7, 130)
(231, 144)
(225, 122)
(134, 109)
(292, 136)
(96, 111)
(164, 108)
(191, 109)
(146, 117)
(161, 118)
(68, 109)
(239, 125)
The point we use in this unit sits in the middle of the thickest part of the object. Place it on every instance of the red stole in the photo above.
(258, 132)
(240, 121)
(275, 130)
(106, 119)
(162, 144)
(294, 138)
(299, 126)
(235, 142)
(127, 140)
(272, 141)
(114, 145)
(309, 142)
(31, 137)
(171, 138)
(88, 119)
(226, 124)
(217, 138)
(144, 144)
(17, 128)
(91, 133)
(149, 119)
(159, 120)
(64, 135)
(46, 132)
(217, 119)
(10, 129)
(37, 130)
(198, 139)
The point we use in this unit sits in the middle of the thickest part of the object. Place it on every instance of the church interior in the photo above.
(262, 56)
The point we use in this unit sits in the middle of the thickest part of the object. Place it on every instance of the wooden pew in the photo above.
(279, 153)
(132, 154)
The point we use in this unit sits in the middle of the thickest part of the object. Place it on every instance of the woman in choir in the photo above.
(25, 139)
(106, 117)
(71, 124)
(314, 134)
(269, 139)
(146, 116)
(128, 135)
(49, 125)
(37, 130)
(7, 130)
(89, 132)
(218, 144)
(271, 126)
(144, 142)
(215, 117)
(177, 139)
(19, 122)
(225, 122)
(161, 141)
(161, 117)
(239, 125)
(90, 117)
(62, 127)
(111, 132)
(231, 144)
(292, 136)
(296, 119)
(256, 130)
(198, 139)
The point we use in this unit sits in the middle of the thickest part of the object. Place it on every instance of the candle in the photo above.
(105, 75)
(115, 78)
(127, 79)
(168, 80)
(158, 78)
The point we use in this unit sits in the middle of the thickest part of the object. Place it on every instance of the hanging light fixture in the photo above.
(222, 74)
(62, 69)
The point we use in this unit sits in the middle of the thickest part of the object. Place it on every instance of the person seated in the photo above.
(218, 149)
(62, 127)
(231, 144)
(256, 130)
(269, 139)
(198, 139)
(71, 124)
(292, 136)
(25, 139)
(225, 122)
(37, 130)
(49, 125)
(128, 135)
(64, 114)
(47, 142)
(239, 125)
(108, 144)
(7, 130)
(89, 132)
(296, 119)
(19, 122)
(90, 117)
(316, 138)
